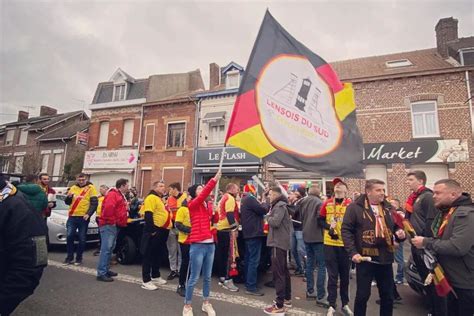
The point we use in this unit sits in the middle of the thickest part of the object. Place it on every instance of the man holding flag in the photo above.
(454, 246)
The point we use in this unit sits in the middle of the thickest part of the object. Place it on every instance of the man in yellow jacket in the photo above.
(82, 201)
(158, 222)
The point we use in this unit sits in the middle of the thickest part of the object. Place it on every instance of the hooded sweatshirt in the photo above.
(279, 221)
(35, 195)
(455, 248)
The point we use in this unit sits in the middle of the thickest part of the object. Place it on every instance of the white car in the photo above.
(57, 232)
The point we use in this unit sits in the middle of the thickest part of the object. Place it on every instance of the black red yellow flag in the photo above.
(293, 110)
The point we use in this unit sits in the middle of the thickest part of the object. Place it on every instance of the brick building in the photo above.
(414, 111)
(46, 143)
(122, 143)
(168, 129)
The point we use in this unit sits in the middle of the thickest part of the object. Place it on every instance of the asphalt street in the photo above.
(73, 290)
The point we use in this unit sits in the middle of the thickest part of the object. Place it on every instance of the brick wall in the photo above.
(384, 115)
(160, 157)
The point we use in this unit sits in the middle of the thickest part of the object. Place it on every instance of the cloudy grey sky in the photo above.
(55, 52)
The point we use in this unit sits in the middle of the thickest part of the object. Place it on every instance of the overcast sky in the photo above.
(55, 52)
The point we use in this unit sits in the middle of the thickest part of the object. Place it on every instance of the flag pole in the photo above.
(219, 169)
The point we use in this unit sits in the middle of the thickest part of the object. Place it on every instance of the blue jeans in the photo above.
(298, 249)
(253, 247)
(315, 253)
(400, 263)
(76, 223)
(201, 257)
(108, 236)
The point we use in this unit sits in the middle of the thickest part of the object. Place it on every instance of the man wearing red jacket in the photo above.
(113, 216)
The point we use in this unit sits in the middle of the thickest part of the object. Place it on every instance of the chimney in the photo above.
(47, 111)
(214, 75)
(446, 31)
(22, 116)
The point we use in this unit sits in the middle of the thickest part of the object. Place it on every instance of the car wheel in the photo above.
(126, 251)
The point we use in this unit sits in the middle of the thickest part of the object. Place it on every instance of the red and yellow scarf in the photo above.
(412, 198)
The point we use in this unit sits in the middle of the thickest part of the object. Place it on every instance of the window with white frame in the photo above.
(44, 162)
(424, 117)
(233, 79)
(149, 136)
(216, 132)
(5, 164)
(176, 134)
(127, 137)
(103, 134)
(23, 137)
(57, 166)
(119, 92)
(19, 164)
(9, 137)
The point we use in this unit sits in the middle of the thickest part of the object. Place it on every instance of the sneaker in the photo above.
(149, 286)
(274, 310)
(228, 285)
(187, 311)
(299, 273)
(331, 311)
(399, 282)
(78, 262)
(254, 293)
(67, 262)
(286, 303)
(112, 273)
(323, 302)
(181, 290)
(172, 275)
(208, 309)
(373, 283)
(104, 278)
(311, 296)
(347, 311)
(159, 281)
(96, 253)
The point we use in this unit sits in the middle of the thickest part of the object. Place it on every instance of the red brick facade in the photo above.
(384, 116)
(160, 162)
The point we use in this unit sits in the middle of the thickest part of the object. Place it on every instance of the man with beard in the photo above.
(335, 255)
(453, 243)
(368, 231)
(155, 234)
(228, 211)
(420, 211)
(50, 194)
(82, 200)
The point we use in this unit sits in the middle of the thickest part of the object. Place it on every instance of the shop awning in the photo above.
(96, 171)
(214, 116)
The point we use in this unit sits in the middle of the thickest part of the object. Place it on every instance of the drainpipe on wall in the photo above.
(469, 100)
(196, 139)
(65, 155)
(135, 180)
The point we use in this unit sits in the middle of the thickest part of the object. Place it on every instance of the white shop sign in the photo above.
(111, 159)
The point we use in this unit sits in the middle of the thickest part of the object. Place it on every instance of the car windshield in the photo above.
(61, 206)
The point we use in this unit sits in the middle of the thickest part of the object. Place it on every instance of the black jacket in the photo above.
(251, 216)
(310, 208)
(23, 252)
(423, 214)
(358, 231)
(455, 249)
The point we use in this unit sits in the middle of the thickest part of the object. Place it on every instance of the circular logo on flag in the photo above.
(296, 107)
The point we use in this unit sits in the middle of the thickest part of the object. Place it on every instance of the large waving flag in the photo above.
(293, 110)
